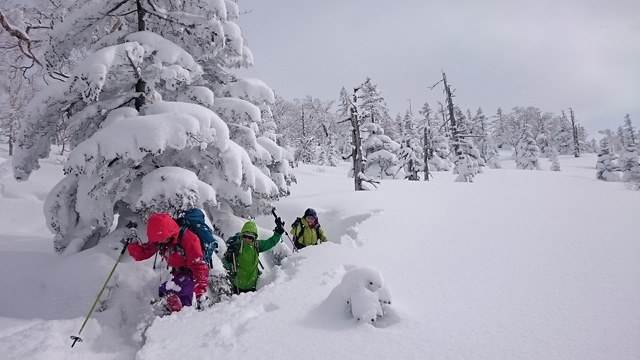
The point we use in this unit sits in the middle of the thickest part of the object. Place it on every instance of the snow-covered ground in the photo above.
(518, 265)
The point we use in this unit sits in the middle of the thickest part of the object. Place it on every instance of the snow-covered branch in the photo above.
(25, 43)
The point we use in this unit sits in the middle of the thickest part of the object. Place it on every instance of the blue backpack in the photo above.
(193, 219)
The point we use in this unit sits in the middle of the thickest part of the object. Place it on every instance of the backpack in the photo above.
(193, 219)
(233, 247)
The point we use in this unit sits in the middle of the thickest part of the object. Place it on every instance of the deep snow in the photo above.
(517, 265)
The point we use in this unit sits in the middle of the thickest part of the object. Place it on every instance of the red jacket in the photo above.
(161, 227)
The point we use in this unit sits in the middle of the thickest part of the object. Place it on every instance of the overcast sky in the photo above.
(552, 54)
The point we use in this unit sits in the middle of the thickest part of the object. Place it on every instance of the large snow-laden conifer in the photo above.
(125, 130)
(105, 173)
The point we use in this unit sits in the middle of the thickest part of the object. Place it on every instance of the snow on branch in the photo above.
(249, 89)
(24, 41)
(237, 111)
(173, 190)
(134, 138)
(89, 78)
(207, 119)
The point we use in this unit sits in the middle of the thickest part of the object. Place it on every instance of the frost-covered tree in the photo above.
(372, 102)
(553, 158)
(527, 151)
(328, 154)
(604, 166)
(410, 159)
(492, 154)
(543, 138)
(564, 136)
(15, 93)
(504, 130)
(612, 138)
(410, 127)
(145, 136)
(628, 159)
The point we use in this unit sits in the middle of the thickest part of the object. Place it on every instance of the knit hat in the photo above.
(310, 212)
(250, 228)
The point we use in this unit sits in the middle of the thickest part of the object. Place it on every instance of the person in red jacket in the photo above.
(190, 272)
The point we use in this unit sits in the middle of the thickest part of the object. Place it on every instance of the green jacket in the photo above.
(245, 274)
(306, 236)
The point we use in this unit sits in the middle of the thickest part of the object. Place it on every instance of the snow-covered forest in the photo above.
(119, 109)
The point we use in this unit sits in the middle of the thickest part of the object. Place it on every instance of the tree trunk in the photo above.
(576, 144)
(140, 84)
(356, 152)
(455, 136)
(427, 150)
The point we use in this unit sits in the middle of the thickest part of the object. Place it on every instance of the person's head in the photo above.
(311, 216)
(161, 228)
(249, 231)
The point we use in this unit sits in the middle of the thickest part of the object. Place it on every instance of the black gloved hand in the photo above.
(279, 229)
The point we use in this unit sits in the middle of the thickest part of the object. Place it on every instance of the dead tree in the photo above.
(356, 156)
(356, 138)
(576, 143)
(461, 159)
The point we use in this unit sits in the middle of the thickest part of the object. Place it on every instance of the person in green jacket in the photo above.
(307, 231)
(241, 258)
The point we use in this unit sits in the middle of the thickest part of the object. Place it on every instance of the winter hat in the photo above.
(250, 228)
(311, 212)
(160, 227)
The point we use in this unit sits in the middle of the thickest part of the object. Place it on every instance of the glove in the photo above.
(279, 229)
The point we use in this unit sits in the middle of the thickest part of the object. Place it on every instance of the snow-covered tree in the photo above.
(372, 101)
(492, 154)
(628, 159)
(564, 136)
(504, 130)
(604, 167)
(553, 158)
(15, 93)
(527, 151)
(134, 152)
(409, 127)
(327, 154)
(379, 153)
(412, 162)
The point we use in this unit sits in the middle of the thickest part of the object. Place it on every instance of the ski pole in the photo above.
(273, 211)
(132, 234)
(235, 270)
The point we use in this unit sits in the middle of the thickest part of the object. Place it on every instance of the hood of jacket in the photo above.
(160, 227)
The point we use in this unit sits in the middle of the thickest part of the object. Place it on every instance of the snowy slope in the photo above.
(519, 264)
